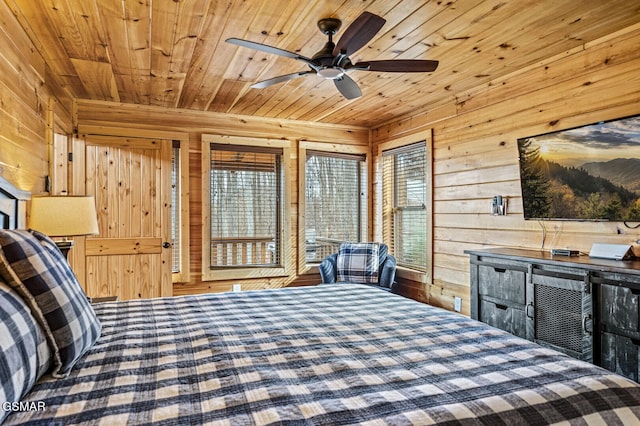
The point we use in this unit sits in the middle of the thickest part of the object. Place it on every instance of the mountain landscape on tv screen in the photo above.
(590, 172)
(598, 191)
(621, 171)
(603, 190)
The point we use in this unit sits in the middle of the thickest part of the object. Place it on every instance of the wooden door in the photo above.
(131, 181)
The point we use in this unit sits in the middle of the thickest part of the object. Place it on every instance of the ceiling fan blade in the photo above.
(359, 33)
(280, 79)
(348, 87)
(271, 49)
(398, 65)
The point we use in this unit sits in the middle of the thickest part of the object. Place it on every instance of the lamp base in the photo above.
(64, 247)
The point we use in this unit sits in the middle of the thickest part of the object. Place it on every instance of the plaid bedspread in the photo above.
(332, 354)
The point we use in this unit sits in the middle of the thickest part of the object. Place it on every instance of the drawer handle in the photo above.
(587, 324)
(530, 311)
(500, 270)
(501, 307)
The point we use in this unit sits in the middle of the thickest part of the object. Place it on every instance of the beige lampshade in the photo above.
(64, 216)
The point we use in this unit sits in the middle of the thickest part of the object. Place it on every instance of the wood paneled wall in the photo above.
(475, 155)
(96, 115)
(474, 150)
(474, 147)
(32, 108)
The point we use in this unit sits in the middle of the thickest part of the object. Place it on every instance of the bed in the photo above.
(329, 354)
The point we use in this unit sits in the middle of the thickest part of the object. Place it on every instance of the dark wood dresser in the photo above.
(582, 306)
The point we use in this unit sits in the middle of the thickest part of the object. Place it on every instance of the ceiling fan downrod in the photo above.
(325, 58)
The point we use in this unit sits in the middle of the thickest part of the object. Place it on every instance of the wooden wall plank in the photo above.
(29, 111)
(146, 206)
(19, 51)
(125, 195)
(105, 247)
(59, 164)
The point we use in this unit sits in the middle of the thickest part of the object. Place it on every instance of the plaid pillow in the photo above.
(24, 352)
(358, 262)
(33, 265)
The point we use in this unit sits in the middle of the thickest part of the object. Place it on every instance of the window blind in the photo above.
(246, 211)
(335, 202)
(404, 222)
(175, 207)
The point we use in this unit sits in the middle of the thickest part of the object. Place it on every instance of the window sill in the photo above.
(412, 274)
(243, 273)
(310, 268)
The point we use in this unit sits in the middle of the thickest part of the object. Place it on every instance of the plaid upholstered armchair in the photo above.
(365, 263)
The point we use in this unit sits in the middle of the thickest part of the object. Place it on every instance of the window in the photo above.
(335, 202)
(244, 208)
(246, 187)
(179, 210)
(404, 198)
(175, 207)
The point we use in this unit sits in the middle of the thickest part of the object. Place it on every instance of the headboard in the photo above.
(13, 206)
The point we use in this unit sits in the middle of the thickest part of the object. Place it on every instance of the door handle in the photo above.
(166, 244)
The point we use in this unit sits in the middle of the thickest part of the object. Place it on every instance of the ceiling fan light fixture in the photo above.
(331, 73)
(332, 62)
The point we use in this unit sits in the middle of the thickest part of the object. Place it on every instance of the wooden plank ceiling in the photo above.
(172, 53)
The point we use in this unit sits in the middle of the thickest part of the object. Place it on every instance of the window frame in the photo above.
(381, 216)
(303, 147)
(235, 272)
(183, 213)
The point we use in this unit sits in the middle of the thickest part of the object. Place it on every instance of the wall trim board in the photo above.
(141, 116)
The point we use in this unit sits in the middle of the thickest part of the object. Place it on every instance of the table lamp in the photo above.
(64, 216)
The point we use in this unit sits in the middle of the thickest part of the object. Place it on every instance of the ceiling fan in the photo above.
(332, 61)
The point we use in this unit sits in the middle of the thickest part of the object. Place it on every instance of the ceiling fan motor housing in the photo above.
(324, 58)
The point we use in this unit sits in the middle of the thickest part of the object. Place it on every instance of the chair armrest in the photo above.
(328, 268)
(388, 272)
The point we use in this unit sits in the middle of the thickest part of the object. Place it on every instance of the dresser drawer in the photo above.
(620, 354)
(619, 308)
(502, 283)
(504, 316)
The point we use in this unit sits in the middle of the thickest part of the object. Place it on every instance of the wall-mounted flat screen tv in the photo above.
(586, 173)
